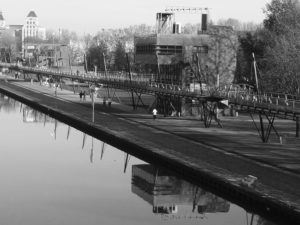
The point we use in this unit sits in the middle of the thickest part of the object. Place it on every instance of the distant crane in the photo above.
(184, 9)
(204, 11)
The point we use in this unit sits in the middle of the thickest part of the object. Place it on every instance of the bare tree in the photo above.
(8, 46)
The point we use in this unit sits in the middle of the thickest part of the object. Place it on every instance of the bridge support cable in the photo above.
(114, 95)
(263, 131)
(209, 113)
(139, 100)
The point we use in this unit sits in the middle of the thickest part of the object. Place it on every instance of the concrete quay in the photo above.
(217, 158)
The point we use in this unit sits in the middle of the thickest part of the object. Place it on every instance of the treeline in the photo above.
(111, 46)
(276, 46)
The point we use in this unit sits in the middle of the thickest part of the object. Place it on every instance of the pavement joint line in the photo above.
(201, 143)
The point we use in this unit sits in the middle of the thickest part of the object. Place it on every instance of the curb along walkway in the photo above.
(229, 153)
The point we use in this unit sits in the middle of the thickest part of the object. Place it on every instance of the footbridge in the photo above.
(267, 106)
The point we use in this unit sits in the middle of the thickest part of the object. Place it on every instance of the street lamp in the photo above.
(93, 91)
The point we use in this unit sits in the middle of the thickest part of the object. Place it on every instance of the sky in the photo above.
(90, 16)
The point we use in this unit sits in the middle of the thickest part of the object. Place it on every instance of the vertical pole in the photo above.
(297, 126)
(105, 70)
(93, 106)
(130, 79)
(255, 73)
(85, 63)
(158, 69)
(199, 74)
(262, 128)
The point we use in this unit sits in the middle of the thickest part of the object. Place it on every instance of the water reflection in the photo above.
(170, 197)
(174, 198)
(8, 104)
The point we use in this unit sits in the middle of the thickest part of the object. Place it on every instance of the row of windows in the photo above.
(30, 22)
(31, 27)
(31, 33)
(167, 49)
(145, 49)
(200, 49)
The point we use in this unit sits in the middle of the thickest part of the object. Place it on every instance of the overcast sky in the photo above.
(89, 16)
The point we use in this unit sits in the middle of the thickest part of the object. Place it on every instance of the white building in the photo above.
(31, 27)
(31, 31)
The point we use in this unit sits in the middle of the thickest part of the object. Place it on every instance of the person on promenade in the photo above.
(84, 95)
(154, 113)
(80, 95)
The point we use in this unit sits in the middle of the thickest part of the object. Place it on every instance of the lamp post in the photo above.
(93, 91)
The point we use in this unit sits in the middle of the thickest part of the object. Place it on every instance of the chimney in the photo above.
(176, 28)
(204, 22)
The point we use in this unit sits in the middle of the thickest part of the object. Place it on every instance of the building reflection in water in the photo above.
(8, 104)
(170, 195)
(31, 115)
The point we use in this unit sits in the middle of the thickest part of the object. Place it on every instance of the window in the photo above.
(168, 49)
(145, 49)
(200, 49)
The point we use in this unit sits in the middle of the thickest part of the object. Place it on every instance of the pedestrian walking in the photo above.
(154, 113)
(80, 95)
(84, 95)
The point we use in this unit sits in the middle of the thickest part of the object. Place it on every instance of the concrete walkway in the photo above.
(228, 154)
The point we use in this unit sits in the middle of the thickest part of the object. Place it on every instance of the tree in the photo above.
(97, 54)
(120, 62)
(282, 26)
(8, 46)
(282, 16)
(250, 42)
(238, 25)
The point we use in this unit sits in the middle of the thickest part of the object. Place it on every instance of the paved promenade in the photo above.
(227, 154)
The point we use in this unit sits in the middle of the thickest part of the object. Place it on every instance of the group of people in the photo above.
(82, 95)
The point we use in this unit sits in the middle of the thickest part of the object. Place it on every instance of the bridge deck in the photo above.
(288, 106)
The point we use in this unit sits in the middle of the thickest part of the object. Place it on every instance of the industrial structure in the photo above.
(194, 61)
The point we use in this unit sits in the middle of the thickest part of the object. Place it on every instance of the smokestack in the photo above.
(176, 28)
(204, 22)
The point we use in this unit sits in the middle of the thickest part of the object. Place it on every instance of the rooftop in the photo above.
(31, 14)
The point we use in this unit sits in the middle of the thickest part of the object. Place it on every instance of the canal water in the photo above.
(53, 174)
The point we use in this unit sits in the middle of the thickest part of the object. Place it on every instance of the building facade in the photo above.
(31, 27)
(206, 57)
